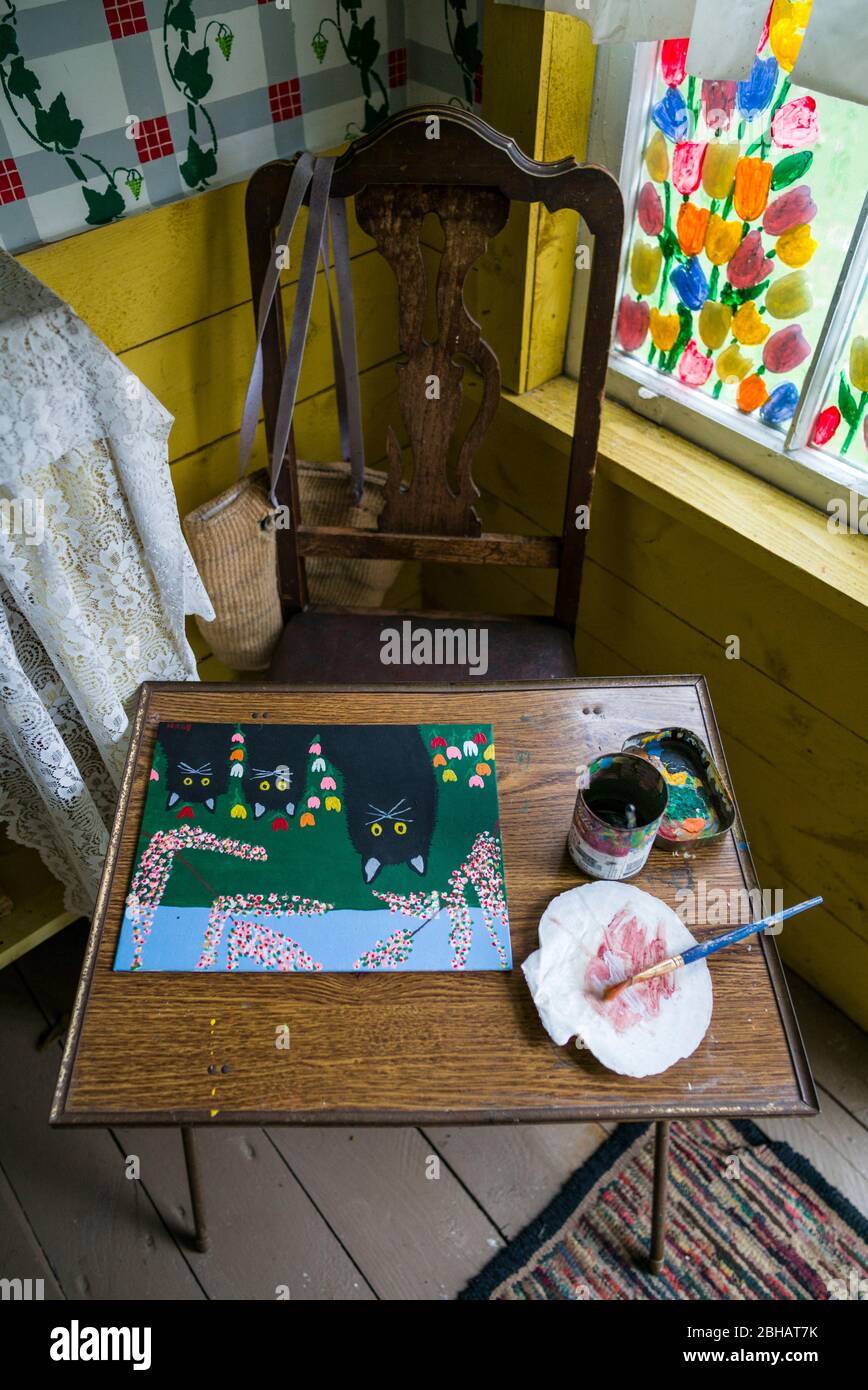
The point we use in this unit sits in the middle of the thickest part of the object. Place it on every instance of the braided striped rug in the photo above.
(749, 1218)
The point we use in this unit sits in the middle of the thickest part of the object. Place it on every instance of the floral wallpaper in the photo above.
(108, 107)
(749, 195)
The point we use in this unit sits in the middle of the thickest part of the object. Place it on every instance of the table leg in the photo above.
(661, 1174)
(194, 1180)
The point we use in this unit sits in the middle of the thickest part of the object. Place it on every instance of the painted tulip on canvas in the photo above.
(340, 848)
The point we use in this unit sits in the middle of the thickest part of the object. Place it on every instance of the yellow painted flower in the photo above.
(714, 321)
(753, 178)
(859, 364)
(718, 170)
(790, 296)
(483, 769)
(439, 760)
(788, 21)
(748, 326)
(797, 246)
(449, 775)
(645, 262)
(238, 812)
(333, 803)
(657, 157)
(664, 329)
(721, 239)
(732, 366)
(489, 752)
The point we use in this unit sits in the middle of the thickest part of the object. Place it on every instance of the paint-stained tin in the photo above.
(700, 808)
(617, 816)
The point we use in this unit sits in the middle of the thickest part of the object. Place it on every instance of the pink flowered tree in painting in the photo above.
(719, 207)
(482, 871)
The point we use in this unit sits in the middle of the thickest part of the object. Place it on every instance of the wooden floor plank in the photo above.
(267, 1238)
(837, 1048)
(514, 1171)
(415, 1236)
(21, 1256)
(103, 1234)
(834, 1142)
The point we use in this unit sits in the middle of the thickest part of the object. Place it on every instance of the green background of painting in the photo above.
(319, 861)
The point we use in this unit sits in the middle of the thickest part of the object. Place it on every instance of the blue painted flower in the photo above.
(671, 115)
(756, 92)
(781, 404)
(690, 284)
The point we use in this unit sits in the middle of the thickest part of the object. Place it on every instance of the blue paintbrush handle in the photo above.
(717, 943)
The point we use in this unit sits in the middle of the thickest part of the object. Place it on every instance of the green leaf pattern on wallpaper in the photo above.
(361, 48)
(56, 131)
(464, 45)
(189, 69)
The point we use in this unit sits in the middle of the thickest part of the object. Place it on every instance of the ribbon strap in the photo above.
(324, 211)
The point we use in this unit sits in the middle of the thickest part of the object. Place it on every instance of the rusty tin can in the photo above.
(617, 816)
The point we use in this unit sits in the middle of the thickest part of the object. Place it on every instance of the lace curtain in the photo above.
(95, 577)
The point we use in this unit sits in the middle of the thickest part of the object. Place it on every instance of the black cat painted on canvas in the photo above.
(197, 768)
(275, 766)
(390, 796)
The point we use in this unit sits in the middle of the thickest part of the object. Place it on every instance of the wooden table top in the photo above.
(419, 1048)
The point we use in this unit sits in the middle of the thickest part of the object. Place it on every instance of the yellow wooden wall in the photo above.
(168, 292)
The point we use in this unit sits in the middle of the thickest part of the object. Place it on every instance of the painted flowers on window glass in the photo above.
(841, 427)
(734, 251)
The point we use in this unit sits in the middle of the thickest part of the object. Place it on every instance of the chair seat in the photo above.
(322, 648)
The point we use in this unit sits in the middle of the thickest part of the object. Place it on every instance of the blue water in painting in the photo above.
(337, 939)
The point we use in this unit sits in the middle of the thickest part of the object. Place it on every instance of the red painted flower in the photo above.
(694, 368)
(749, 265)
(794, 208)
(633, 318)
(650, 210)
(438, 743)
(673, 61)
(687, 161)
(786, 349)
(185, 813)
(764, 36)
(480, 738)
(828, 421)
(795, 124)
(279, 823)
(718, 102)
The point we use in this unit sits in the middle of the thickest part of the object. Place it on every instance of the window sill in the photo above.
(779, 534)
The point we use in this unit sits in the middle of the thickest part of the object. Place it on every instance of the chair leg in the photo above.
(661, 1174)
(194, 1180)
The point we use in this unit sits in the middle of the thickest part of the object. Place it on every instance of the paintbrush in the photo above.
(706, 948)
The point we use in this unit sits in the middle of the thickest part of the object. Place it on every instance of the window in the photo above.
(742, 320)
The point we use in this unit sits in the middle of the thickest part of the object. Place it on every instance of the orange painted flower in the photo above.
(237, 755)
(439, 760)
(483, 769)
(753, 179)
(664, 329)
(721, 239)
(307, 819)
(691, 225)
(752, 393)
(748, 326)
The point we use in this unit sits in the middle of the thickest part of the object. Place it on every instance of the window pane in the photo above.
(841, 426)
(748, 197)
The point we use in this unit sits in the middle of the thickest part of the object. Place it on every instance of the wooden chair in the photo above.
(467, 177)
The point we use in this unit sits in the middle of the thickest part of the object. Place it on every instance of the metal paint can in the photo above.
(617, 816)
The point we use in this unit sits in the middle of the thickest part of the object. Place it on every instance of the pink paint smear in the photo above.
(624, 951)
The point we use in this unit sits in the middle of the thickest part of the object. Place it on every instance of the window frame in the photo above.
(623, 95)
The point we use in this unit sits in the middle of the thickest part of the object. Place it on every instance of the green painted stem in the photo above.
(851, 433)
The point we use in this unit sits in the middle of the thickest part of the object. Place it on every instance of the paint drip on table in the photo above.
(597, 935)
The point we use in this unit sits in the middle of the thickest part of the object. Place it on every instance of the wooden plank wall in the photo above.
(168, 292)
